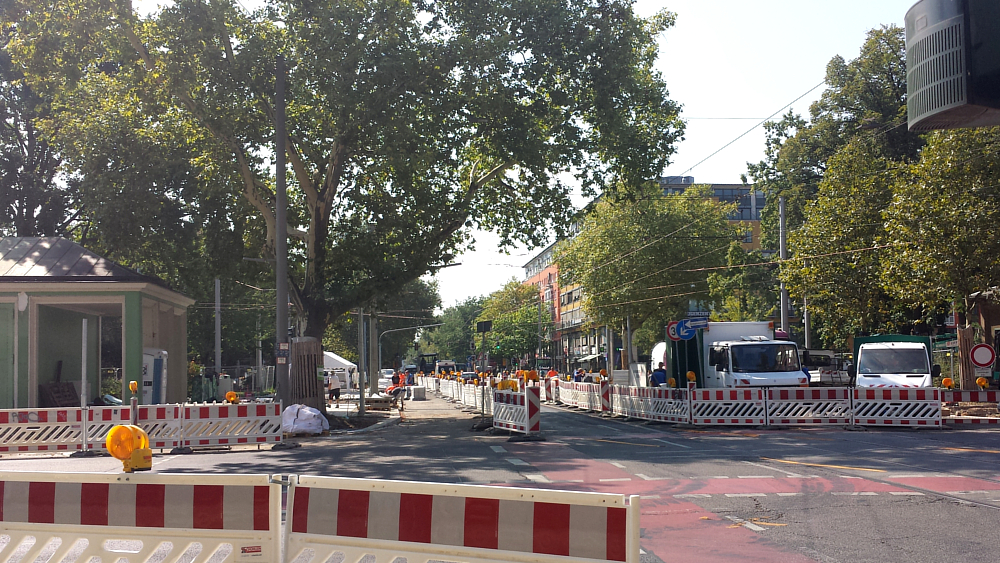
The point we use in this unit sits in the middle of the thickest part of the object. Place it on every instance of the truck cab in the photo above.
(894, 364)
(754, 361)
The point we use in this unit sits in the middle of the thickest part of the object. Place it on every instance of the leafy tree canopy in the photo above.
(644, 259)
(409, 123)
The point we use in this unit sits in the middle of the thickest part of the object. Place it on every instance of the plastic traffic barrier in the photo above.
(897, 407)
(40, 430)
(339, 519)
(728, 406)
(224, 425)
(809, 406)
(518, 411)
(234, 518)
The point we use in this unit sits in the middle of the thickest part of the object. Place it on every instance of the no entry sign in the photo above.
(983, 355)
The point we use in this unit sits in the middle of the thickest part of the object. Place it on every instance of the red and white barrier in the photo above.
(41, 430)
(227, 425)
(517, 411)
(332, 518)
(159, 515)
(605, 397)
(897, 407)
(728, 406)
(807, 406)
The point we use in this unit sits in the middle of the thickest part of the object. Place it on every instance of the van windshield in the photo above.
(893, 360)
(765, 358)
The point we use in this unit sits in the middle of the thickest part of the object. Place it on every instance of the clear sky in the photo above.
(730, 63)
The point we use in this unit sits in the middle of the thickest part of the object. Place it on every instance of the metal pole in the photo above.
(218, 328)
(805, 321)
(373, 370)
(361, 362)
(83, 366)
(280, 230)
(538, 356)
(783, 254)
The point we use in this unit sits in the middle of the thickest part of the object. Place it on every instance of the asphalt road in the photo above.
(716, 494)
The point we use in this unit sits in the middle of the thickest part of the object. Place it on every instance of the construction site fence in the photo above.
(175, 518)
(776, 406)
(194, 425)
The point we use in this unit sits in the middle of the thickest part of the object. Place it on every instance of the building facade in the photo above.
(749, 204)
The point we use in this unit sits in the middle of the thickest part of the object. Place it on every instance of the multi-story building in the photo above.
(749, 203)
(543, 273)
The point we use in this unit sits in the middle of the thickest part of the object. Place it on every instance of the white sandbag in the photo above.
(300, 419)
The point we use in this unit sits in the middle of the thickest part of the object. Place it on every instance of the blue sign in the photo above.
(697, 323)
(684, 330)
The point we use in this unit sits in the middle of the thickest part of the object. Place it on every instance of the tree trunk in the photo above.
(967, 371)
(306, 386)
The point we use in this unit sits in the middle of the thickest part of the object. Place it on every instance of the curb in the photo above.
(378, 425)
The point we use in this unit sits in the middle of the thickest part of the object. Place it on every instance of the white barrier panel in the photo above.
(728, 406)
(517, 411)
(226, 425)
(234, 518)
(336, 519)
(827, 405)
(469, 394)
(897, 407)
(669, 405)
(40, 430)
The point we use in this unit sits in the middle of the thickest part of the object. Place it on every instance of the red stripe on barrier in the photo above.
(300, 511)
(149, 500)
(61, 416)
(482, 522)
(94, 504)
(241, 411)
(261, 410)
(41, 503)
(204, 412)
(551, 525)
(415, 517)
(261, 508)
(352, 514)
(208, 507)
(617, 534)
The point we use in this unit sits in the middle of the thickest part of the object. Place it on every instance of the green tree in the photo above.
(644, 259)
(514, 312)
(456, 338)
(409, 125)
(34, 200)
(864, 97)
(836, 263)
(746, 290)
(943, 220)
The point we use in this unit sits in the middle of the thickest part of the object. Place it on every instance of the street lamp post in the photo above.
(397, 330)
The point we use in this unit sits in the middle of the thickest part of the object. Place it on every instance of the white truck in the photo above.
(893, 361)
(743, 354)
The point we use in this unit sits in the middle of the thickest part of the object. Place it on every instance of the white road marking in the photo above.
(714, 477)
(755, 476)
(648, 478)
(855, 494)
(612, 480)
(498, 449)
(745, 495)
(789, 494)
(616, 464)
(671, 443)
(693, 495)
(769, 468)
(516, 461)
(850, 477)
(538, 478)
(745, 524)
(968, 492)
(648, 497)
(906, 493)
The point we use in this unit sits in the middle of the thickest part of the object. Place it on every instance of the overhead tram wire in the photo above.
(748, 131)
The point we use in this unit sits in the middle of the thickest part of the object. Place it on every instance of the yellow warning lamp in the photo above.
(232, 397)
(947, 383)
(133, 386)
(604, 373)
(691, 376)
(982, 382)
(671, 382)
(130, 445)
